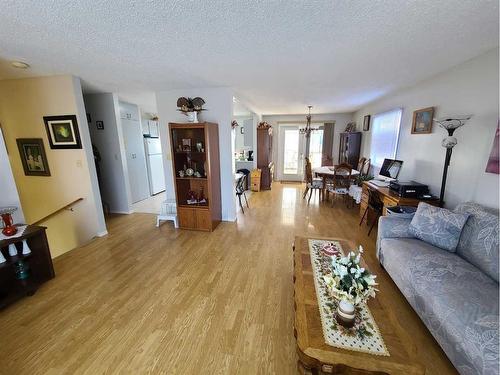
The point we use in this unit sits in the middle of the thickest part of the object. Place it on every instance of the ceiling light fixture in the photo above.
(308, 129)
(20, 65)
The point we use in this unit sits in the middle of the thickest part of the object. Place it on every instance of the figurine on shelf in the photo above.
(199, 146)
(192, 197)
(6, 214)
(21, 270)
(197, 174)
(181, 173)
(201, 197)
(186, 144)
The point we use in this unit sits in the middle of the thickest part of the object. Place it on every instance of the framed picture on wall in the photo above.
(366, 123)
(33, 156)
(422, 121)
(62, 131)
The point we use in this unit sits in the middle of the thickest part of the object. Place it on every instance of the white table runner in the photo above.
(365, 335)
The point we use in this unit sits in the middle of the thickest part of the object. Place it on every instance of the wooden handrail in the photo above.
(66, 207)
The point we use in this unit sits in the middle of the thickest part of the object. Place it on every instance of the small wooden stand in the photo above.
(39, 262)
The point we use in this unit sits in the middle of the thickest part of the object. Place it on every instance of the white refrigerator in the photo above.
(155, 165)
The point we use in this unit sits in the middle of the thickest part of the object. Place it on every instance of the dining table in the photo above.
(326, 172)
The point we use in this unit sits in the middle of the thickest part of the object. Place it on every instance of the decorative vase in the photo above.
(26, 248)
(192, 116)
(6, 214)
(346, 313)
(12, 250)
(21, 270)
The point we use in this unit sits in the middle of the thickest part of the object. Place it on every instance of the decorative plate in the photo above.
(189, 171)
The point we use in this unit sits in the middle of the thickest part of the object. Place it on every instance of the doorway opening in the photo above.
(292, 146)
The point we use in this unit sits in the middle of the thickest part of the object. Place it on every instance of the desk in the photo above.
(328, 172)
(389, 198)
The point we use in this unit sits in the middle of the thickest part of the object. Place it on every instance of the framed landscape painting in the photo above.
(62, 131)
(33, 156)
(422, 121)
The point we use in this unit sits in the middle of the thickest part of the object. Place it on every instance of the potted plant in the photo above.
(360, 178)
(351, 284)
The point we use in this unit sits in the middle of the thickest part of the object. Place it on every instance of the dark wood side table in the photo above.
(39, 262)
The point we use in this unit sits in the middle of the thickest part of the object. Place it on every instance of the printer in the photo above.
(409, 189)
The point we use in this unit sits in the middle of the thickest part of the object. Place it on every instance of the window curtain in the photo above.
(327, 149)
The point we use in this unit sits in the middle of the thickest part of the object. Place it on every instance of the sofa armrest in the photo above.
(392, 227)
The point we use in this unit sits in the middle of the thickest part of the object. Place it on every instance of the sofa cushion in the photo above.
(438, 226)
(455, 300)
(479, 240)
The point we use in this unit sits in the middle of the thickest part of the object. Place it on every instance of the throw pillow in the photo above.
(438, 226)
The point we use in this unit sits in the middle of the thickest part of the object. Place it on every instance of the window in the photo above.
(385, 134)
(316, 148)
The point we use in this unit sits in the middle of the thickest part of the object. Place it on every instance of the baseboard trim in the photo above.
(121, 212)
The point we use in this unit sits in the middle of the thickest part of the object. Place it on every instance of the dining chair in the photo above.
(340, 182)
(374, 204)
(365, 168)
(361, 164)
(240, 190)
(312, 184)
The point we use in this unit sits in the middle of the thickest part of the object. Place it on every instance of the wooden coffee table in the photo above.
(315, 356)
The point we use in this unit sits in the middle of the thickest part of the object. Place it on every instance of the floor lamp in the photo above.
(450, 125)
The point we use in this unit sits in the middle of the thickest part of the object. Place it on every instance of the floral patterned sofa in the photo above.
(455, 293)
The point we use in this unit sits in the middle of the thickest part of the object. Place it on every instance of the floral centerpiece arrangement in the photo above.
(350, 283)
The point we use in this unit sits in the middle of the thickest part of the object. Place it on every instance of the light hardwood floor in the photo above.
(158, 300)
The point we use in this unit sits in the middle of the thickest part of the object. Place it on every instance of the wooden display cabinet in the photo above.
(265, 156)
(195, 148)
(350, 146)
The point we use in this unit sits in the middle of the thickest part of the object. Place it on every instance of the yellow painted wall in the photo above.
(23, 103)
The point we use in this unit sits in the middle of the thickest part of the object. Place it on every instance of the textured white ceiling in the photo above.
(278, 55)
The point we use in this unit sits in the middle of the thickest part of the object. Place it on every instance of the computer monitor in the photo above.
(390, 169)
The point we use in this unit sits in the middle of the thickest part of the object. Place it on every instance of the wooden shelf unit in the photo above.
(265, 156)
(201, 216)
(349, 149)
(39, 262)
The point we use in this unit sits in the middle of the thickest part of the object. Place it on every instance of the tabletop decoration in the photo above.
(336, 299)
(19, 233)
(9, 228)
(349, 283)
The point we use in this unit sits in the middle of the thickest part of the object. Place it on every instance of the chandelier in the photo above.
(308, 129)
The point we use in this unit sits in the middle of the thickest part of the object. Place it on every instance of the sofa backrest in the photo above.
(479, 239)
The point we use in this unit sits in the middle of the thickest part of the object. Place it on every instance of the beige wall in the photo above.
(23, 103)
